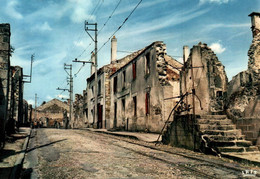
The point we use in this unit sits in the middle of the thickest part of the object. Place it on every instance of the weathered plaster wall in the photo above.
(159, 80)
(210, 80)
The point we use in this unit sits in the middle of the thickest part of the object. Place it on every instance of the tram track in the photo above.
(197, 169)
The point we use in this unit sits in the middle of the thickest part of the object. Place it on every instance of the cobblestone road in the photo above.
(58, 153)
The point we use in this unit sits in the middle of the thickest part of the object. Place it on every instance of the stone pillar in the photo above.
(186, 52)
(255, 21)
(113, 49)
(93, 63)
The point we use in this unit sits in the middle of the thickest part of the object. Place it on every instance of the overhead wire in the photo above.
(110, 16)
(120, 25)
(75, 75)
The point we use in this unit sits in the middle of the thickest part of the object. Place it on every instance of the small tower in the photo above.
(255, 21)
(113, 49)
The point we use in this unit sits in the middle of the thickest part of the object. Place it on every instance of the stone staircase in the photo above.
(219, 133)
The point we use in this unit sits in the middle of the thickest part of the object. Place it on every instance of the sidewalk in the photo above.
(147, 137)
(246, 157)
(12, 155)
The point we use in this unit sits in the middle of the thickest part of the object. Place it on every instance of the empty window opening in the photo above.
(115, 114)
(115, 84)
(147, 63)
(147, 103)
(134, 70)
(135, 106)
(124, 79)
(123, 104)
(99, 87)
(92, 89)
(219, 93)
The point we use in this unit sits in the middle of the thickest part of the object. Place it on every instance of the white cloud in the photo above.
(48, 97)
(31, 101)
(217, 48)
(80, 10)
(166, 21)
(43, 27)
(46, 27)
(62, 96)
(214, 1)
(11, 9)
(80, 44)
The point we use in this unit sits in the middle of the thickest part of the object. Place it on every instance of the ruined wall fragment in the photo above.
(210, 80)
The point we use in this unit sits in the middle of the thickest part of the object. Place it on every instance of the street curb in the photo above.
(116, 134)
(19, 161)
(243, 160)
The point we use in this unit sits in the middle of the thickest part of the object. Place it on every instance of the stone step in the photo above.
(232, 149)
(252, 149)
(220, 117)
(235, 143)
(228, 133)
(216, 127)
(238, 149)
(214, 121)
(226, 138)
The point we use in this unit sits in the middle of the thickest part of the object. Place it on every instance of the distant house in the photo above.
(50, 112)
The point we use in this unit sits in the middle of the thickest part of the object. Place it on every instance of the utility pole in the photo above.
(70, 90)
(87, 29)
(29, 76)
(35, 108)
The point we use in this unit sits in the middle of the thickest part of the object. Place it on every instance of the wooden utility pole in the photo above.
(70, 90)
(29, 76)
(35, 107)
(87, 29)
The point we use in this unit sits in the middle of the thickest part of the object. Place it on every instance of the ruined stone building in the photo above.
(208, 77)
(210, 130)
(244, 89)
(139, 89)
(5, 34)
(51, 113)
(15, 100)
(79, 111)
(103, 91)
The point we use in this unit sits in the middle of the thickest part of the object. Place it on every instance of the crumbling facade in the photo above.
(51, 113)
(79, 118)
(139, 89)
(244, 89)
(5, 34)
(205, 72)
(204, 86)
(103, 89)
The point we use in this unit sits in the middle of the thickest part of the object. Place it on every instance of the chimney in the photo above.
(255, 23)
(186, 52)
(113, 49)
(93, 63)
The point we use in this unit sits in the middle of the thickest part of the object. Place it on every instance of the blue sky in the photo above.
(54, 31)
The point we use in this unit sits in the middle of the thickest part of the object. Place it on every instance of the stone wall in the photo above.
(250, 128)
(244, 95)
(137, 103)
(182, 133)
(210, 80)
(5, 34)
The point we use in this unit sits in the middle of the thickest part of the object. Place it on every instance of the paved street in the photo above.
(58, 153)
